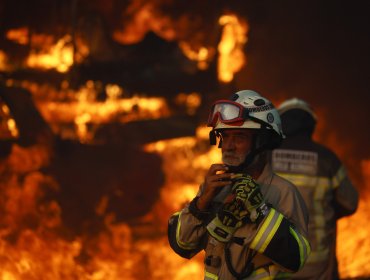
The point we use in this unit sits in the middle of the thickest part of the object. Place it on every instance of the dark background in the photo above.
(319, 51)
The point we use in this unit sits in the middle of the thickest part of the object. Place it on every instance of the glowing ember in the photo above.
(231, 48)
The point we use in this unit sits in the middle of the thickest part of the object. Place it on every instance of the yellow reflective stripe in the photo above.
(304, 247)
(338, 178)
(301, 180)
(306, 180)
(209, 275)
(264, 273)
(183, 245)
(267, 231)
(261, 274)
(283, 275)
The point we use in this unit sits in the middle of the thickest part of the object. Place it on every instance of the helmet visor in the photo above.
(228, 112)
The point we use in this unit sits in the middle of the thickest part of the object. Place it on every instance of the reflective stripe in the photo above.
(182, 245)
(261, 274)
(283, 275)
(338, 178)
(304, 247)
(306, 180)
(318, 218)
(267, 231)
(264, 273)
(316, 181)
(210, 276)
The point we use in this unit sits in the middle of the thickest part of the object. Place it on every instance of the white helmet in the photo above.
(246, 109)
(296, 103)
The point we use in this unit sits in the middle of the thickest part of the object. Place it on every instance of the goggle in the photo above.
(228, 112)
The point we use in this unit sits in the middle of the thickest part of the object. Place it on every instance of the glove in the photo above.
(248, 195)
(227, 221)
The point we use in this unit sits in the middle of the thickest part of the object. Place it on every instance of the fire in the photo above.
(119, 250)
(32, 244)
(202, 55)
(191, 154)
(83, 109)
(8, 127)
(59, 56)
(19, 35)
(231, 47)
(4, 66)
(353, 235)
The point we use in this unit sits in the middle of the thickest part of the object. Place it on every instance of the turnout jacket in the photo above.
(328, 192)
(256, 251)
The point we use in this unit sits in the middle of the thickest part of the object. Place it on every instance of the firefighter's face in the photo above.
(236, 144)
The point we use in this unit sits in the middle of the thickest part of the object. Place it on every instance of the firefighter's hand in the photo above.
(215, 179)
(248, 194)
(227, 221)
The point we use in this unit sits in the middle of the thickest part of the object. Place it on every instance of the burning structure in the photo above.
(103, 105)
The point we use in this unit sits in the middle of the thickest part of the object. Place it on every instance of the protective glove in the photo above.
(248, 195)
(228, 219)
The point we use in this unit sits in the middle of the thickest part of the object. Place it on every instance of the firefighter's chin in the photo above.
(233, 160)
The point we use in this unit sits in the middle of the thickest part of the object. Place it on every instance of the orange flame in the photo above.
(82, 108)
(353, 235)
(231, 48)
(59, 56)
(4, 66)
(19, 35)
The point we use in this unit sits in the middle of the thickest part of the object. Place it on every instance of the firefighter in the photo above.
(251, 223)
(322, 180)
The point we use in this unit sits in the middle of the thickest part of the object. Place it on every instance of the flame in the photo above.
(82, 108)
(59, 56)
(191, 101)
(231, 47)
(203, 55)
(19, 35)
(3, 61)
(8, 127)
(144, 18)
(354, 248)
(192, 154)
(120, 251)
(31, 243)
